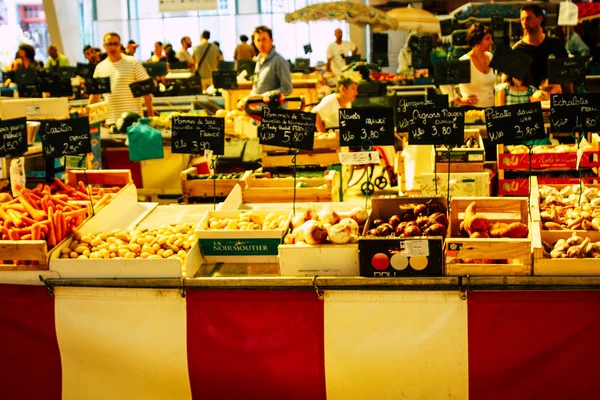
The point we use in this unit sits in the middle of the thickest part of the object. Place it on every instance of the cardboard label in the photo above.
(13, 137)
(366, 127)
(415, 247)
(286, 128)
(515, 124)
(239, 247)
(32, 110)
(69, 137)
(359, 158)
(433, 125)
(194, 135)
(17, 175)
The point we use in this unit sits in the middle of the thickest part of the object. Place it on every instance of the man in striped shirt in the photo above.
(122, 71)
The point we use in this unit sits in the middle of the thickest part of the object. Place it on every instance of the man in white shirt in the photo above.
(183, 54)
(337, 51)
(328, 110)
(122, 71)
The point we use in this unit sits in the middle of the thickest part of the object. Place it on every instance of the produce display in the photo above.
(561, 148)
(192, 176)
(477, 226)
(470, 142)
(475, 116)
(248, 221)
(573, 247)
(413, 220)
(173, 241)
(326, 226)
(39, 214)
(570, 208)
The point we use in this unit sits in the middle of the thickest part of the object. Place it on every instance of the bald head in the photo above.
(338, 35)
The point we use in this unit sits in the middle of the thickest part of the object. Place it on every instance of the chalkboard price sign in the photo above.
(365, 127)
(97, 85)
(194, 134)
(225, 79)
(142, 88)
(452, 72)
(515, 124)
(434, 125)
(287, 128)
(403, 107)
(13, 137)
(69, 137)
(566, 70)
(571, 110)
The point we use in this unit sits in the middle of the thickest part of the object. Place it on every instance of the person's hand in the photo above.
(472, 100)
(242, 102)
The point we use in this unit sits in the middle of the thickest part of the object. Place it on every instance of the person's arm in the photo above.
(581, 48)
(47, 65)
(355, 50)
(329, 57)
(319, 124)
(149, 106)
(94, 98)
(284, 76)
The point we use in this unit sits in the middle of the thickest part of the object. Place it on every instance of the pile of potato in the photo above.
(249, 221)
(573, 247)
(570, 208)
(172, 241)
(542, 149)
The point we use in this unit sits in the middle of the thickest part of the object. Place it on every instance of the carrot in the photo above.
(45, 203)
(36, 231)
(58, 232)
(63, 197)
(3, 214)
(28, 221)
(34, 196)
(13, 235)
(25, 194)
(47, 189)
(39, 187)
(35, 214)
(56, 200)
(103, 200)
(76, 213)
(60, 185)
(75, 232)
(15, 217)
(51, 231)
(64, 227)
(26, 237)
(80, 195)
(82, 187)
(16, 207)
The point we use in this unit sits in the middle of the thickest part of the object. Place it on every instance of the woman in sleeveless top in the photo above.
(480, 91)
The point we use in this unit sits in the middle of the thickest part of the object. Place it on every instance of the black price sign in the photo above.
(452, 72)
(515, 124)
(97, 85)
(571, 110)
(403, 107)
(360, 127)
(512, 63)
(566, 70)
(13, 137)
(434, 125)
(69, 137)
(86, 70)
(193, 135)
(286, 128)
(142, 88)
(225, 79)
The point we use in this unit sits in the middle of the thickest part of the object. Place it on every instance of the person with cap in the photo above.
(122, 70)
(55, 59)
(538, 45)
(131, 48)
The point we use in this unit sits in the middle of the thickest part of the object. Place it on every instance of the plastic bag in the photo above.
(145, 142)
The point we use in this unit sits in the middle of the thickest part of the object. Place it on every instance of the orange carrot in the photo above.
(35, 214)
(27, 220)
(15, 217)
(27, 237)
(82, 187)
(47, 189)
(3, 214)
(56, 200)
(60, 185)
(17, 207)
(64, 227)
(103, 200)
(80, 212)
(45, 203)
(58, 233)
(36, 232)
(51, 231)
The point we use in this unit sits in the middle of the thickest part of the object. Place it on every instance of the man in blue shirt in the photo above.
(272, 73)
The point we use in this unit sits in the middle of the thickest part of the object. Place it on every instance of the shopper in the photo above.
(538, 45)
(55, 59)
(158, 55)
(514, 91)
(122, 70)
(91, 55)
(221, 58)
(480, 91)
(337, 52)
(170, 55)
(206, 56)
(328, 110)
(25, 58)
(272, 70)
(244, 51)
(131, 48)
(183, 54)
(574, 43)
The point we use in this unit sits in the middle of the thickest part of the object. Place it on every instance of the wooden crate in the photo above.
(515, 251)
(543, 266)
(324, 153)
(206, 187)
(21, 251)
(281, 190)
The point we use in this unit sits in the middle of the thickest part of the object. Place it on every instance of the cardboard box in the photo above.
(256, 246)
(461, 184)
(34, 109)
(396, 256)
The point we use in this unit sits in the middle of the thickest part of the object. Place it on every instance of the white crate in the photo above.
(124, 212)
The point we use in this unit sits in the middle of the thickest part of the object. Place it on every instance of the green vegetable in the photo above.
(302, 185)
